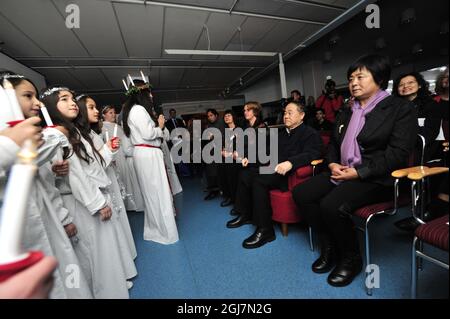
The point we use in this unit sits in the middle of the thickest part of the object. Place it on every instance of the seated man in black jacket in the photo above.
(298, 145)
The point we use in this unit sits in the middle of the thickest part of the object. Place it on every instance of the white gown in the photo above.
(159, 223)
(82, 194)
(132, 195)
(118, 206)
(175, 184)
(45, 221)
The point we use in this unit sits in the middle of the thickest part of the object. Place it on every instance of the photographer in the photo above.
(330, 101)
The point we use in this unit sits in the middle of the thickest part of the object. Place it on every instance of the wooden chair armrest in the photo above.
(401, 173)
(317, 162)
(427, 172)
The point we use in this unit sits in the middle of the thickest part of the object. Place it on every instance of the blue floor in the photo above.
(209, 261)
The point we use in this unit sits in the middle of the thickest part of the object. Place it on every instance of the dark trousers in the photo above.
(228, 179)
(253, 198)
(328, 207)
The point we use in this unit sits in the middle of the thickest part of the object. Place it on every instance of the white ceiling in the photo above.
(117, 38)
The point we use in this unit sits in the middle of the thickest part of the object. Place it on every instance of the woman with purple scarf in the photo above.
(370, 140)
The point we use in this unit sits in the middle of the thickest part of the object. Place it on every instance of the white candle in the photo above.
(131, 80)
(47, 117)
(15, 205)
(115, 131)
(106, 136)
(143, 77)
(125, 84)
(14, 104)
(6, 114)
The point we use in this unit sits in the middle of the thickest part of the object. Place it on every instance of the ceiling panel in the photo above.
(93, 79)
(170, 78)
(42, 22)
(217, 4)
(115, 76)
(97, 21)
(272, 40)
(269, 7)
(182, 29)
(63, 77)
(15, 42)
(142, 33)
(298, 38)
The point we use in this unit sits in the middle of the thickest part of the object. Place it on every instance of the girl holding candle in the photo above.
(83, 193)
(139, 121)
(48, 224)
(89, 117)
(124, 160)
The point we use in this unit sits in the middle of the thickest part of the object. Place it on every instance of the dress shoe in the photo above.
(234, 212)
(407, 224)
(345, 271)
(327, 259)
(211, 195)
(226, 202)
(259, 238)
(238, 221)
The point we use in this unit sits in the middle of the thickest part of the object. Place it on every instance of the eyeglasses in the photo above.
(407, 84)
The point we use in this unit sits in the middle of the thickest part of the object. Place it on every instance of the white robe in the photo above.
(82, 195)
(45, 221)
(159, 222)
(175, 185)
(118, 206)
(127, 179)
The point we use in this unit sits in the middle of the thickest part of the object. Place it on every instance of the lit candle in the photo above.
(131, 80)
(6, 114)
(143, 77)
(115, 131)
(47, 117)
(125, 84)
(15, 204)
(12, 98)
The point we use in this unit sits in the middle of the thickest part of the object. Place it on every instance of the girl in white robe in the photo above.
(86, 125)
(84, 195)
(133, 197)
(175, 184)
(159, 222)
(45, 219)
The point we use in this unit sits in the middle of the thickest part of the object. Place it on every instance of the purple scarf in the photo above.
(350, 150)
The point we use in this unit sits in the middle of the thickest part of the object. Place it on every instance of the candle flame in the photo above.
(28, 153)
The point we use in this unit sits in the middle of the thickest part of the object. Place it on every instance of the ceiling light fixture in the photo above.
(213, 52)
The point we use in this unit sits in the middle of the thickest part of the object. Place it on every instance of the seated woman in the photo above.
(369, 140)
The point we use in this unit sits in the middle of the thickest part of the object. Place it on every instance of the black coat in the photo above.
(386, 140)
(170, 126)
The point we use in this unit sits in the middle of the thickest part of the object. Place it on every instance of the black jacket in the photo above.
(299, 146)
(170, 126)
(386, 140)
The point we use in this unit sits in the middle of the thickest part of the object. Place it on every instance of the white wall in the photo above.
(7, 63)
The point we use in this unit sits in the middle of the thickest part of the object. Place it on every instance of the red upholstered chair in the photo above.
(365, 214)
(284, 209)
(434, 233)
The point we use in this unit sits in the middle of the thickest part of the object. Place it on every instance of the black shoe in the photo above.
(407, 224)
(234, 212)
(226, 202)
(211, 195)
(345, 271)
(327, 259)
(238, 222)
(261, 237)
